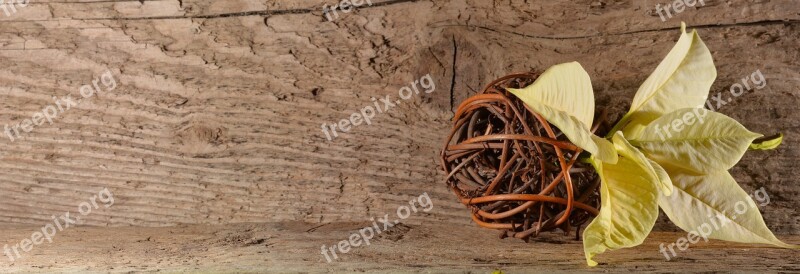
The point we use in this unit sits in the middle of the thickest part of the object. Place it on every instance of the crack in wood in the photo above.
(453, 79)
(706, 26)
(244, 13)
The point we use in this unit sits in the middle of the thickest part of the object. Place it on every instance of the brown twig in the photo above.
(513, 169)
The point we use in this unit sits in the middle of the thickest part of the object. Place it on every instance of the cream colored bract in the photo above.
(628, 208)
(681, 80)
(563, 96)
(662, 152)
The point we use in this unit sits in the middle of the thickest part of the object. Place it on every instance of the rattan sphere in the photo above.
(515, 171)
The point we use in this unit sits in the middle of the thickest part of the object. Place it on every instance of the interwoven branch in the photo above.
(513, 169)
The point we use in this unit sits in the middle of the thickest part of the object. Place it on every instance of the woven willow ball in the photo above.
(515, 171)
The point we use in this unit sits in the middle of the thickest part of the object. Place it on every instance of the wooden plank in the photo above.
(431, 247)
(216, 117)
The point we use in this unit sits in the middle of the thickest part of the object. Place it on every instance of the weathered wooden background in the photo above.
(216, 116)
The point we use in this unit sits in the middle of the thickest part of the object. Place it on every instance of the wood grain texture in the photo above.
(294, 247)
(216, 117)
